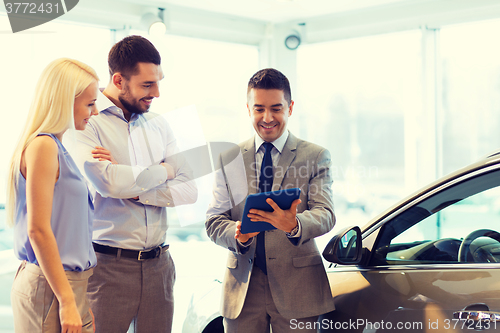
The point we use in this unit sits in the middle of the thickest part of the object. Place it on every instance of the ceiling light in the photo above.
(154, 23)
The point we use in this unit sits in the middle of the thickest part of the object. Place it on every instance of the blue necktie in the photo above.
(265, 185)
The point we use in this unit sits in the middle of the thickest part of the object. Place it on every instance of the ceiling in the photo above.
(255, 21)
(275, 11)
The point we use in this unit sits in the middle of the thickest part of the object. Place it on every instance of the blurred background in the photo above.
(400, 91)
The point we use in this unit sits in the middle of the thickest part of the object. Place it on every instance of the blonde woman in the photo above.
(50, 208)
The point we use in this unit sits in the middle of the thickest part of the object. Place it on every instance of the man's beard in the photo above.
(132, 108)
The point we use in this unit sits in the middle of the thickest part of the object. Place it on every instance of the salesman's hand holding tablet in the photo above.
(270, 210)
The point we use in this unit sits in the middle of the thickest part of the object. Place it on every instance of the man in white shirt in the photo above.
(134, 278)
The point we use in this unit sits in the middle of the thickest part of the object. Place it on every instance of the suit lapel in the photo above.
(249, 160)
(287, 156)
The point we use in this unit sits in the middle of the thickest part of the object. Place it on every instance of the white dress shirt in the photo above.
(139, 146)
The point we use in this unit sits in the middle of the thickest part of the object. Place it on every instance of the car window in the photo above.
(459, 224)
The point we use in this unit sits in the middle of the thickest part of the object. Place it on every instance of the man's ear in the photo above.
(290, 108)
(117, 80)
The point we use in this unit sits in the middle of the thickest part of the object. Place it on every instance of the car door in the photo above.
(433, 265)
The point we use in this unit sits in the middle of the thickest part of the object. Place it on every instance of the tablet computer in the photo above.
(283, 199)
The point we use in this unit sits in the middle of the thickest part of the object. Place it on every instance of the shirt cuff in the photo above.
(148, 198)
(244, 247)
(148, 179)
(246, 244)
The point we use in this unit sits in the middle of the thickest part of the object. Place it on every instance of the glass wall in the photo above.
(23, 57)
(363, 99)
(471, 92)
(207, 77)
(353, 97)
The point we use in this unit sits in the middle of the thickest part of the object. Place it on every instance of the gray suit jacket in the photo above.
(295, 271)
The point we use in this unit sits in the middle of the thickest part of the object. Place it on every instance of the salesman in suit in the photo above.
(274, 278)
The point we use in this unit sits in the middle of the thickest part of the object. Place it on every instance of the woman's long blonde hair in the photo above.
(51, 111)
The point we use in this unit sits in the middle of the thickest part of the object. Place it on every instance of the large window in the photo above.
(471, 92)
(353, 97)
(374, 98)
(24, 55)
(209, 79)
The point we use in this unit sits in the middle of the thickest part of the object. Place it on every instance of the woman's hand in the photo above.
(71, 322)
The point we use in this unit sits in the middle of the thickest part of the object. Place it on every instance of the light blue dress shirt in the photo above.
(139, 146)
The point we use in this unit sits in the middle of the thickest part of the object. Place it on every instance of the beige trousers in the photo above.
(35, 306)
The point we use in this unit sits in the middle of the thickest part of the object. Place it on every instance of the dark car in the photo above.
(430, 263)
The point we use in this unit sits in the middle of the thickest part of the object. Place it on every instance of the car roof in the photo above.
(489, 160)
(493, 154)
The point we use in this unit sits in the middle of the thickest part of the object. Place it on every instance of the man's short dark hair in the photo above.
(127, 53)
(270, 78)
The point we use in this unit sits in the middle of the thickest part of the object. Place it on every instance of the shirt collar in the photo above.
(279, 143)
(103, 103)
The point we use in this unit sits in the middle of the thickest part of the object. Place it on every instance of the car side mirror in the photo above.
(345, 248)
